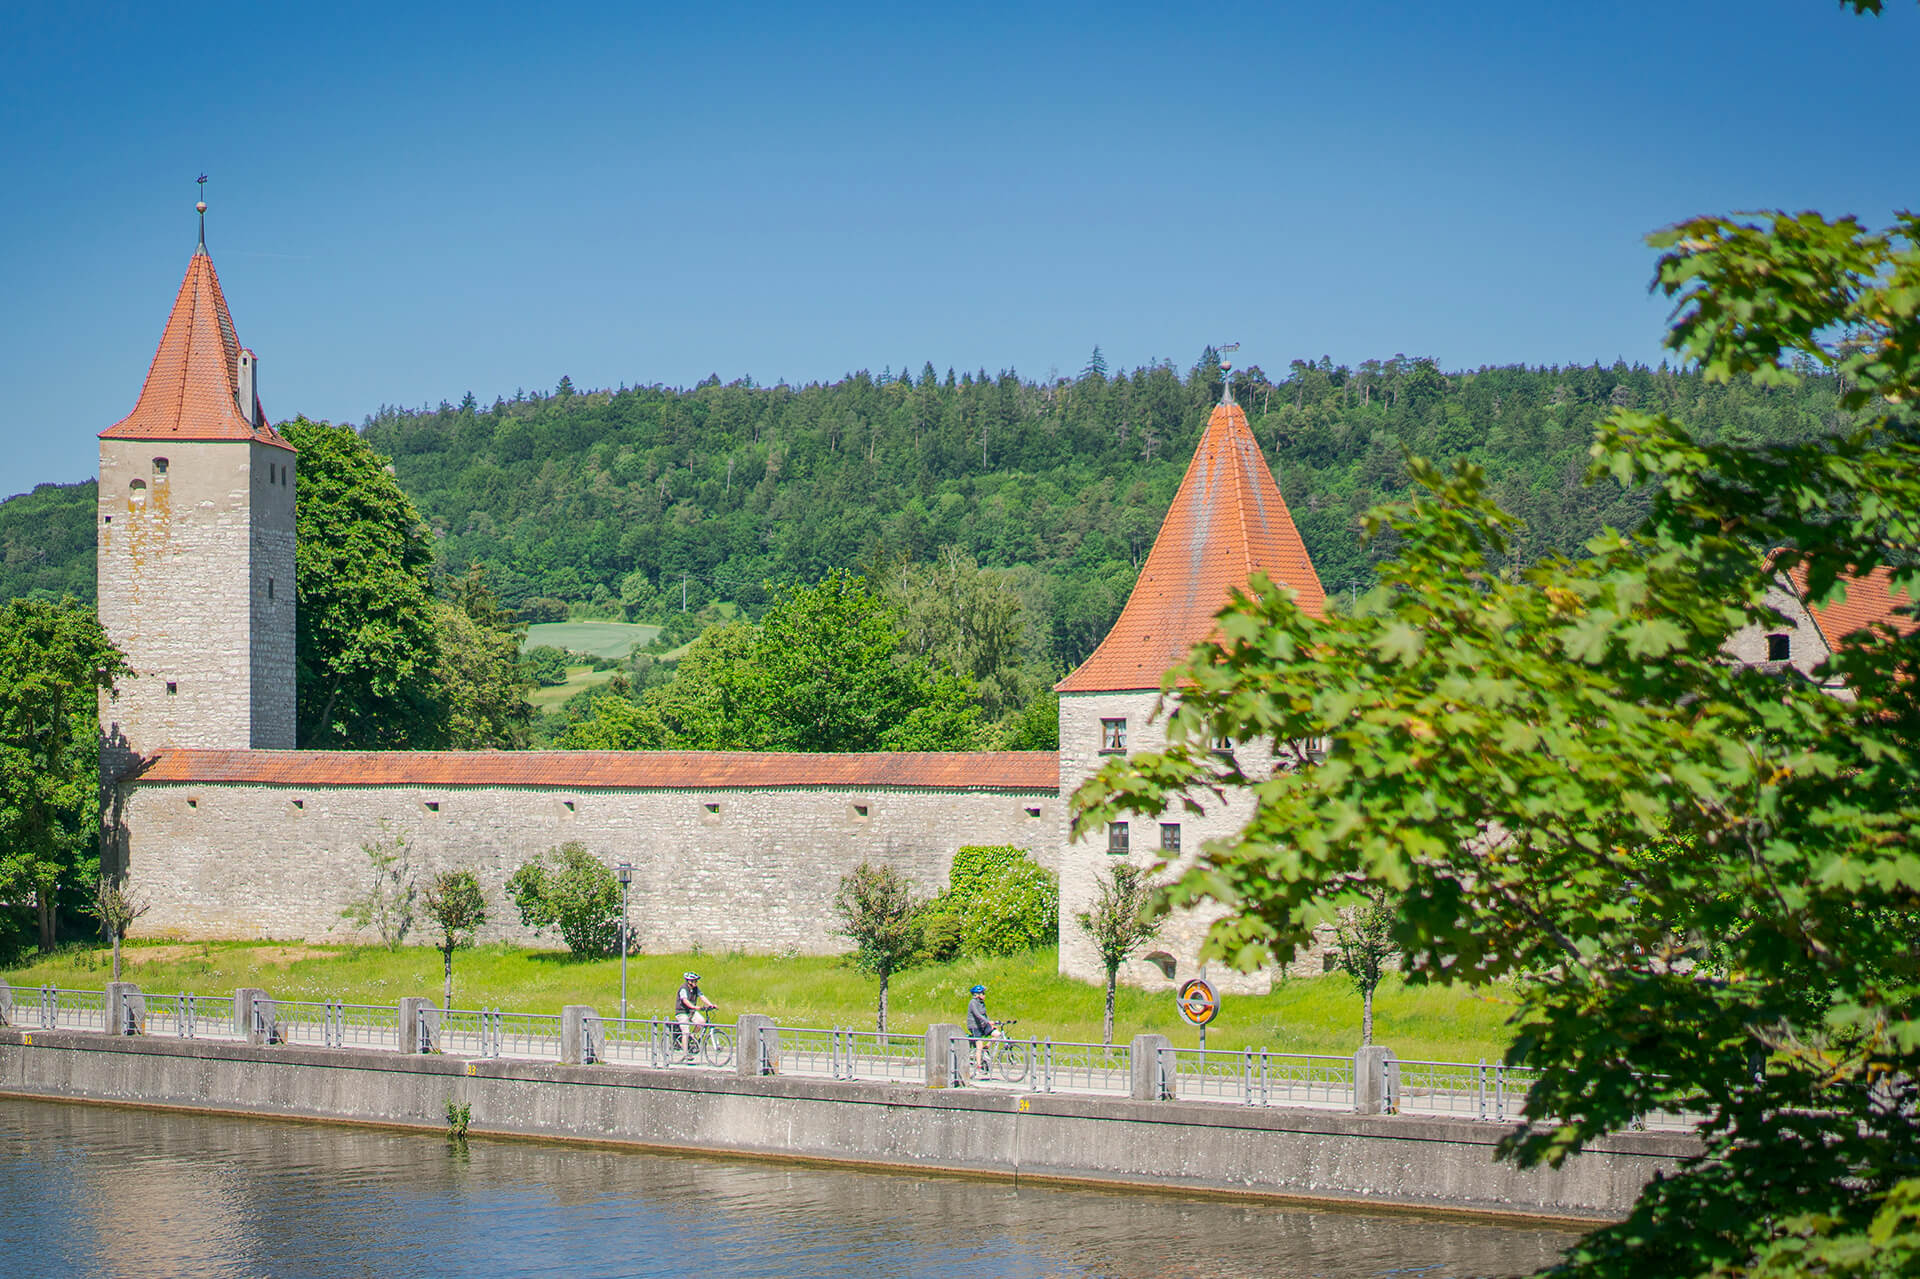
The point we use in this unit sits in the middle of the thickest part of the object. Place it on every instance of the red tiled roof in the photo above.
(614, 770)
(1870, 599)
(1227, 520)
(193, 385)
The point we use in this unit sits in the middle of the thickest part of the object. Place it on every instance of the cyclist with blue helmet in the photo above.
(980, 1027)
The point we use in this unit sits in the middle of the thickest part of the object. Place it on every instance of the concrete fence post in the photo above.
(243, 1010)
(419, 1024)
(6, 1004)
(1151, 1057)
(759, 1045)
(1372, 1094)
(946, 1055)
(126, 1010)
(582, 1039)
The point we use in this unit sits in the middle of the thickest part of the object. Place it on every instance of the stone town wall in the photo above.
(723, 869)
(271, 592)
(1083, 863)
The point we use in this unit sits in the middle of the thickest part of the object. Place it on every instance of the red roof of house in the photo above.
(1227, 521)
(1870, 598)
(192, 390)
(1029, 771)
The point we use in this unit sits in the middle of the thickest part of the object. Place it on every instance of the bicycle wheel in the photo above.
(718, 1046)
(1010, 1062)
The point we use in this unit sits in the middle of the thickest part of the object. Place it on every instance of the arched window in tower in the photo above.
(159, 466)
(137, 493)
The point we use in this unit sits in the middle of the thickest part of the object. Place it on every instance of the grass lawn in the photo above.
(602, 639)
(1310, 1014)
(579, 679)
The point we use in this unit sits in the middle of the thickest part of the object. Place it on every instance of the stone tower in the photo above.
(195, 562)
(1227, 521)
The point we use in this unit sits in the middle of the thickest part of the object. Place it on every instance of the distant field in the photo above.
(602, 639)
(579, 679)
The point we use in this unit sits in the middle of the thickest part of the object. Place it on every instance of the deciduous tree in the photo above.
(458, 909)
(880, 914)
(1121, 920)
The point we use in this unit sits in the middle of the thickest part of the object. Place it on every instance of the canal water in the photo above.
(106, 1192)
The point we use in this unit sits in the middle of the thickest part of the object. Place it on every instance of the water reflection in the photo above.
(90, 1191)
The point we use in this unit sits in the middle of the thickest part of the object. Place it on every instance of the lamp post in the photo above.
(625, 874)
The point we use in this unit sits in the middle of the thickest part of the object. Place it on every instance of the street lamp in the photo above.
(625, 874)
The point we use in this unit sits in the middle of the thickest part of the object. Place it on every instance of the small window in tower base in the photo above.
(172, 688)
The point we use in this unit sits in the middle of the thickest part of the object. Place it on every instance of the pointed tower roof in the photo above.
(1227, 521)
(193, 386)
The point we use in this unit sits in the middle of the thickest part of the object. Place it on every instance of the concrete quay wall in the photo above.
(1306, 1155)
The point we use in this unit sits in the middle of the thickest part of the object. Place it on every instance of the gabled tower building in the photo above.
(1227, 522)
(195, 561)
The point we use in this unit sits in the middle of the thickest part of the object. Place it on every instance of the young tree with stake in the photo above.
(881, 914)
(1363, 943)
(117, 909)
(457, 908)
(1119, 923)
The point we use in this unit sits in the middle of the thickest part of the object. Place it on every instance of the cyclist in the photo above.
(689, 1010)
(980, 1027)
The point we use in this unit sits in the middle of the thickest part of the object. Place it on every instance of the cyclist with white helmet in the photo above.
(690, 1011)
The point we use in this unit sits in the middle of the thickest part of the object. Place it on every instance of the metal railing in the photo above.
(1258, 1077)
(1064, 1066)
(851, 1054)
(662, 1042)
(332, 1023)
(1482, 1090)
(186, 1016)
(63, 1009)
(489, 1032)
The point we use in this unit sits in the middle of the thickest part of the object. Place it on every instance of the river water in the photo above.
(106, 1192)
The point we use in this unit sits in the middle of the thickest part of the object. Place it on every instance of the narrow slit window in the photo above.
(269, 588)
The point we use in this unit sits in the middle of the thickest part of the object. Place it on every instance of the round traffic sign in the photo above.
(1199, 1004)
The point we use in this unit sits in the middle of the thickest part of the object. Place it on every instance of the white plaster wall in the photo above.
(757, 875)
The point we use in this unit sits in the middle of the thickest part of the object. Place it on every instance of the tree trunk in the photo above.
(1366, 1017)
(116, 954)
(446, 999)
(45, 900)
(1113, 976)
(880, 1023)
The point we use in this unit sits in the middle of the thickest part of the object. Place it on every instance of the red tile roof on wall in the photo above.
(1870, 598)
(193, 385)
(1025, 771)
(1227, 520)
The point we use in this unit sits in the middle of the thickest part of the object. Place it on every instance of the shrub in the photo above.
(569, 888)
(1001, 899)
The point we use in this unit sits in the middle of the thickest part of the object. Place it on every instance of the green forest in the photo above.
(613, 503)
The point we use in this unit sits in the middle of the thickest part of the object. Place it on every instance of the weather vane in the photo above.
(1226, 372)
(200, 207)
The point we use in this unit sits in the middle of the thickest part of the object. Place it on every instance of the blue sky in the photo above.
(409, 202)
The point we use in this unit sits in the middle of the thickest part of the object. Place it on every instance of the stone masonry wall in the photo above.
(271, 592)
(1083, 863)
(1807, 647)
(174, 568)
(753, 870)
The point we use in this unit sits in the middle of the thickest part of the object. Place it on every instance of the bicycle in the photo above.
(1003, 1056)
(710, 1043)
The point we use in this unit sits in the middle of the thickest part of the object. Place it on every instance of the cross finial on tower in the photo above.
(1226, 372)
(200, 207)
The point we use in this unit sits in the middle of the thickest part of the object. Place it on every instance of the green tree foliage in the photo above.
(1505, 747)
(880, 914)
(1037, 728)
(55, 662)
(457, 909)
(480, 694)
(570, 889)
(1120, 921)
(971, 621)
(545, 665)
(822, 671)
(1363, 947)
(998, 901)
(367, 640)
(47, 542)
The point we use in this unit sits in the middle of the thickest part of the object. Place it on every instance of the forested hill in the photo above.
(566, 496)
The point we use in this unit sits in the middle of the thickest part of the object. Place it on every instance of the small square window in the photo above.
(567, 804)
(172, 688)
(1033, 810)
(1113, 734)
(193, 803)
(1117, 839)
(860, 812)
(299, 803)
(433, 806)
(1779, 648)
(159, 466)
(711, 808)
(1169, 837)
